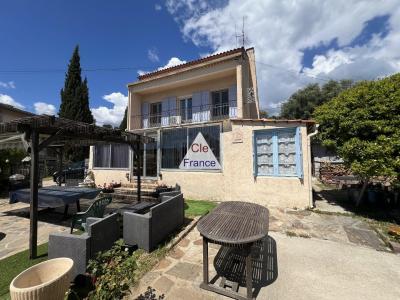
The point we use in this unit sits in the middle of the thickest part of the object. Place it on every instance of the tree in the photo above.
(363, 125)
(302, 103)
(75, 94)
(263, 114)
(123, 124)
(75, 100)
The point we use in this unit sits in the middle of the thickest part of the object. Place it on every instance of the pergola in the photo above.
(58, 133)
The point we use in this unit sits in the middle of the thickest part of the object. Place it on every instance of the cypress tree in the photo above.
(123, 124)
(75, 101)
(75, 94)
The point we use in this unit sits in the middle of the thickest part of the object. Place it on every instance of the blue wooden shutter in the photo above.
(233, 101)
(196, 107)
(165, 112)
(205, 106)
(145, 115)
(275, 148)
(172, 111)
(299, 154)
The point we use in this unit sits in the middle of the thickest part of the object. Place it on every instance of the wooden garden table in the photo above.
(233, 224)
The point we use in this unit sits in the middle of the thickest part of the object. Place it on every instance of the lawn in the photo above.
(13, 265)
(198, 207)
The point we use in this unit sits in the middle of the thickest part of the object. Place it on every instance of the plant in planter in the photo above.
(113, 272)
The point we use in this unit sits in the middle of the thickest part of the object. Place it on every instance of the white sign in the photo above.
(200, 156)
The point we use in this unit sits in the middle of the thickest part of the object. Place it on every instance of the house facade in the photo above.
(208, 137)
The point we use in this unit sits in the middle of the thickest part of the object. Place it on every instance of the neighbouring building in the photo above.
(7, 114)
(204, 118)
(47, 159)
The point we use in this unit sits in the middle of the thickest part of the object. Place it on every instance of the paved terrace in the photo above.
(331, 257)
(307, 268)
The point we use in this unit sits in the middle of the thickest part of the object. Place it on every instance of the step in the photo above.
(128, 191)
(130, 198)
(142, 184)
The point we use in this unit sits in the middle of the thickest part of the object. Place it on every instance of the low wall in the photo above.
(102, 176)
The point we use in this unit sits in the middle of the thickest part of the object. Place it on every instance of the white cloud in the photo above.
(7, 85)
(42, 108)
(157, 7)
(141, 72)
(173, 61)
(114, 115)
(281, 30)
(152, 55)
(6, 99)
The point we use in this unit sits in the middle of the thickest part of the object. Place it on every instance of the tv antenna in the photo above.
(243, 35)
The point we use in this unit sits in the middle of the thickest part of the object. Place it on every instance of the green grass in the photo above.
(195, 208)
(13, 265)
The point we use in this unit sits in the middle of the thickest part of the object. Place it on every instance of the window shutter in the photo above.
(254, 156)
(233, 101)
(173, 112)
(165, 112)
(196, 107)
(205, 106)
(145, 115)
(299, 154)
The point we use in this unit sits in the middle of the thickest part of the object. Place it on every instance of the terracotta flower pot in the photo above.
(48, 280)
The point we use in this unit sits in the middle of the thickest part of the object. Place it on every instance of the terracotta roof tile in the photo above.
(191, 63)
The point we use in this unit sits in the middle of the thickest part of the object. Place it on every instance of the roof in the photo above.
(65, 131)
(13, 108)
(192, 63)
(275, 121)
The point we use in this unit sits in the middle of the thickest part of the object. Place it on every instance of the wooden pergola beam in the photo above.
(61, 132)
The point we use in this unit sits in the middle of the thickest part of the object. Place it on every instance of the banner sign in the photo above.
(200, 156)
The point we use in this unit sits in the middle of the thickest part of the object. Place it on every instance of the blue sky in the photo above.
(302, 45)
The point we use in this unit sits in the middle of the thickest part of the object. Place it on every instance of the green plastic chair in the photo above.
(96, 210)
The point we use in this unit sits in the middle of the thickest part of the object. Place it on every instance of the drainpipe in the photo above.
(309, 136)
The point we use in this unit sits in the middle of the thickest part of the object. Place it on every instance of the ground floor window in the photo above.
(175, 143)
(111, 156)
(277, 152)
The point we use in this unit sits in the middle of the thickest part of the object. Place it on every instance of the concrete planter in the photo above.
(48, 280)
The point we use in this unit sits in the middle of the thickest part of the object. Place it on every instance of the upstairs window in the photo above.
(155, 114)
(220, 103)
(277, 152)
(185, 110)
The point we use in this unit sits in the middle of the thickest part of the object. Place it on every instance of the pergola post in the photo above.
(139, 166)
(60, 163)
(34, 180)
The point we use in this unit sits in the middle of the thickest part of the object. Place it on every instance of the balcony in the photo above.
(190, 115)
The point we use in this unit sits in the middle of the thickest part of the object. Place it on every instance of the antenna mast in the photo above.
(243, 39)
(241, 36)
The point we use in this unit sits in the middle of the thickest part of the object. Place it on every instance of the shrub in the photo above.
(113, 272)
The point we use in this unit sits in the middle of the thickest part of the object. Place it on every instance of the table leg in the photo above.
(66, 211)
(78, 206)
(205, 261)
(249, 282)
